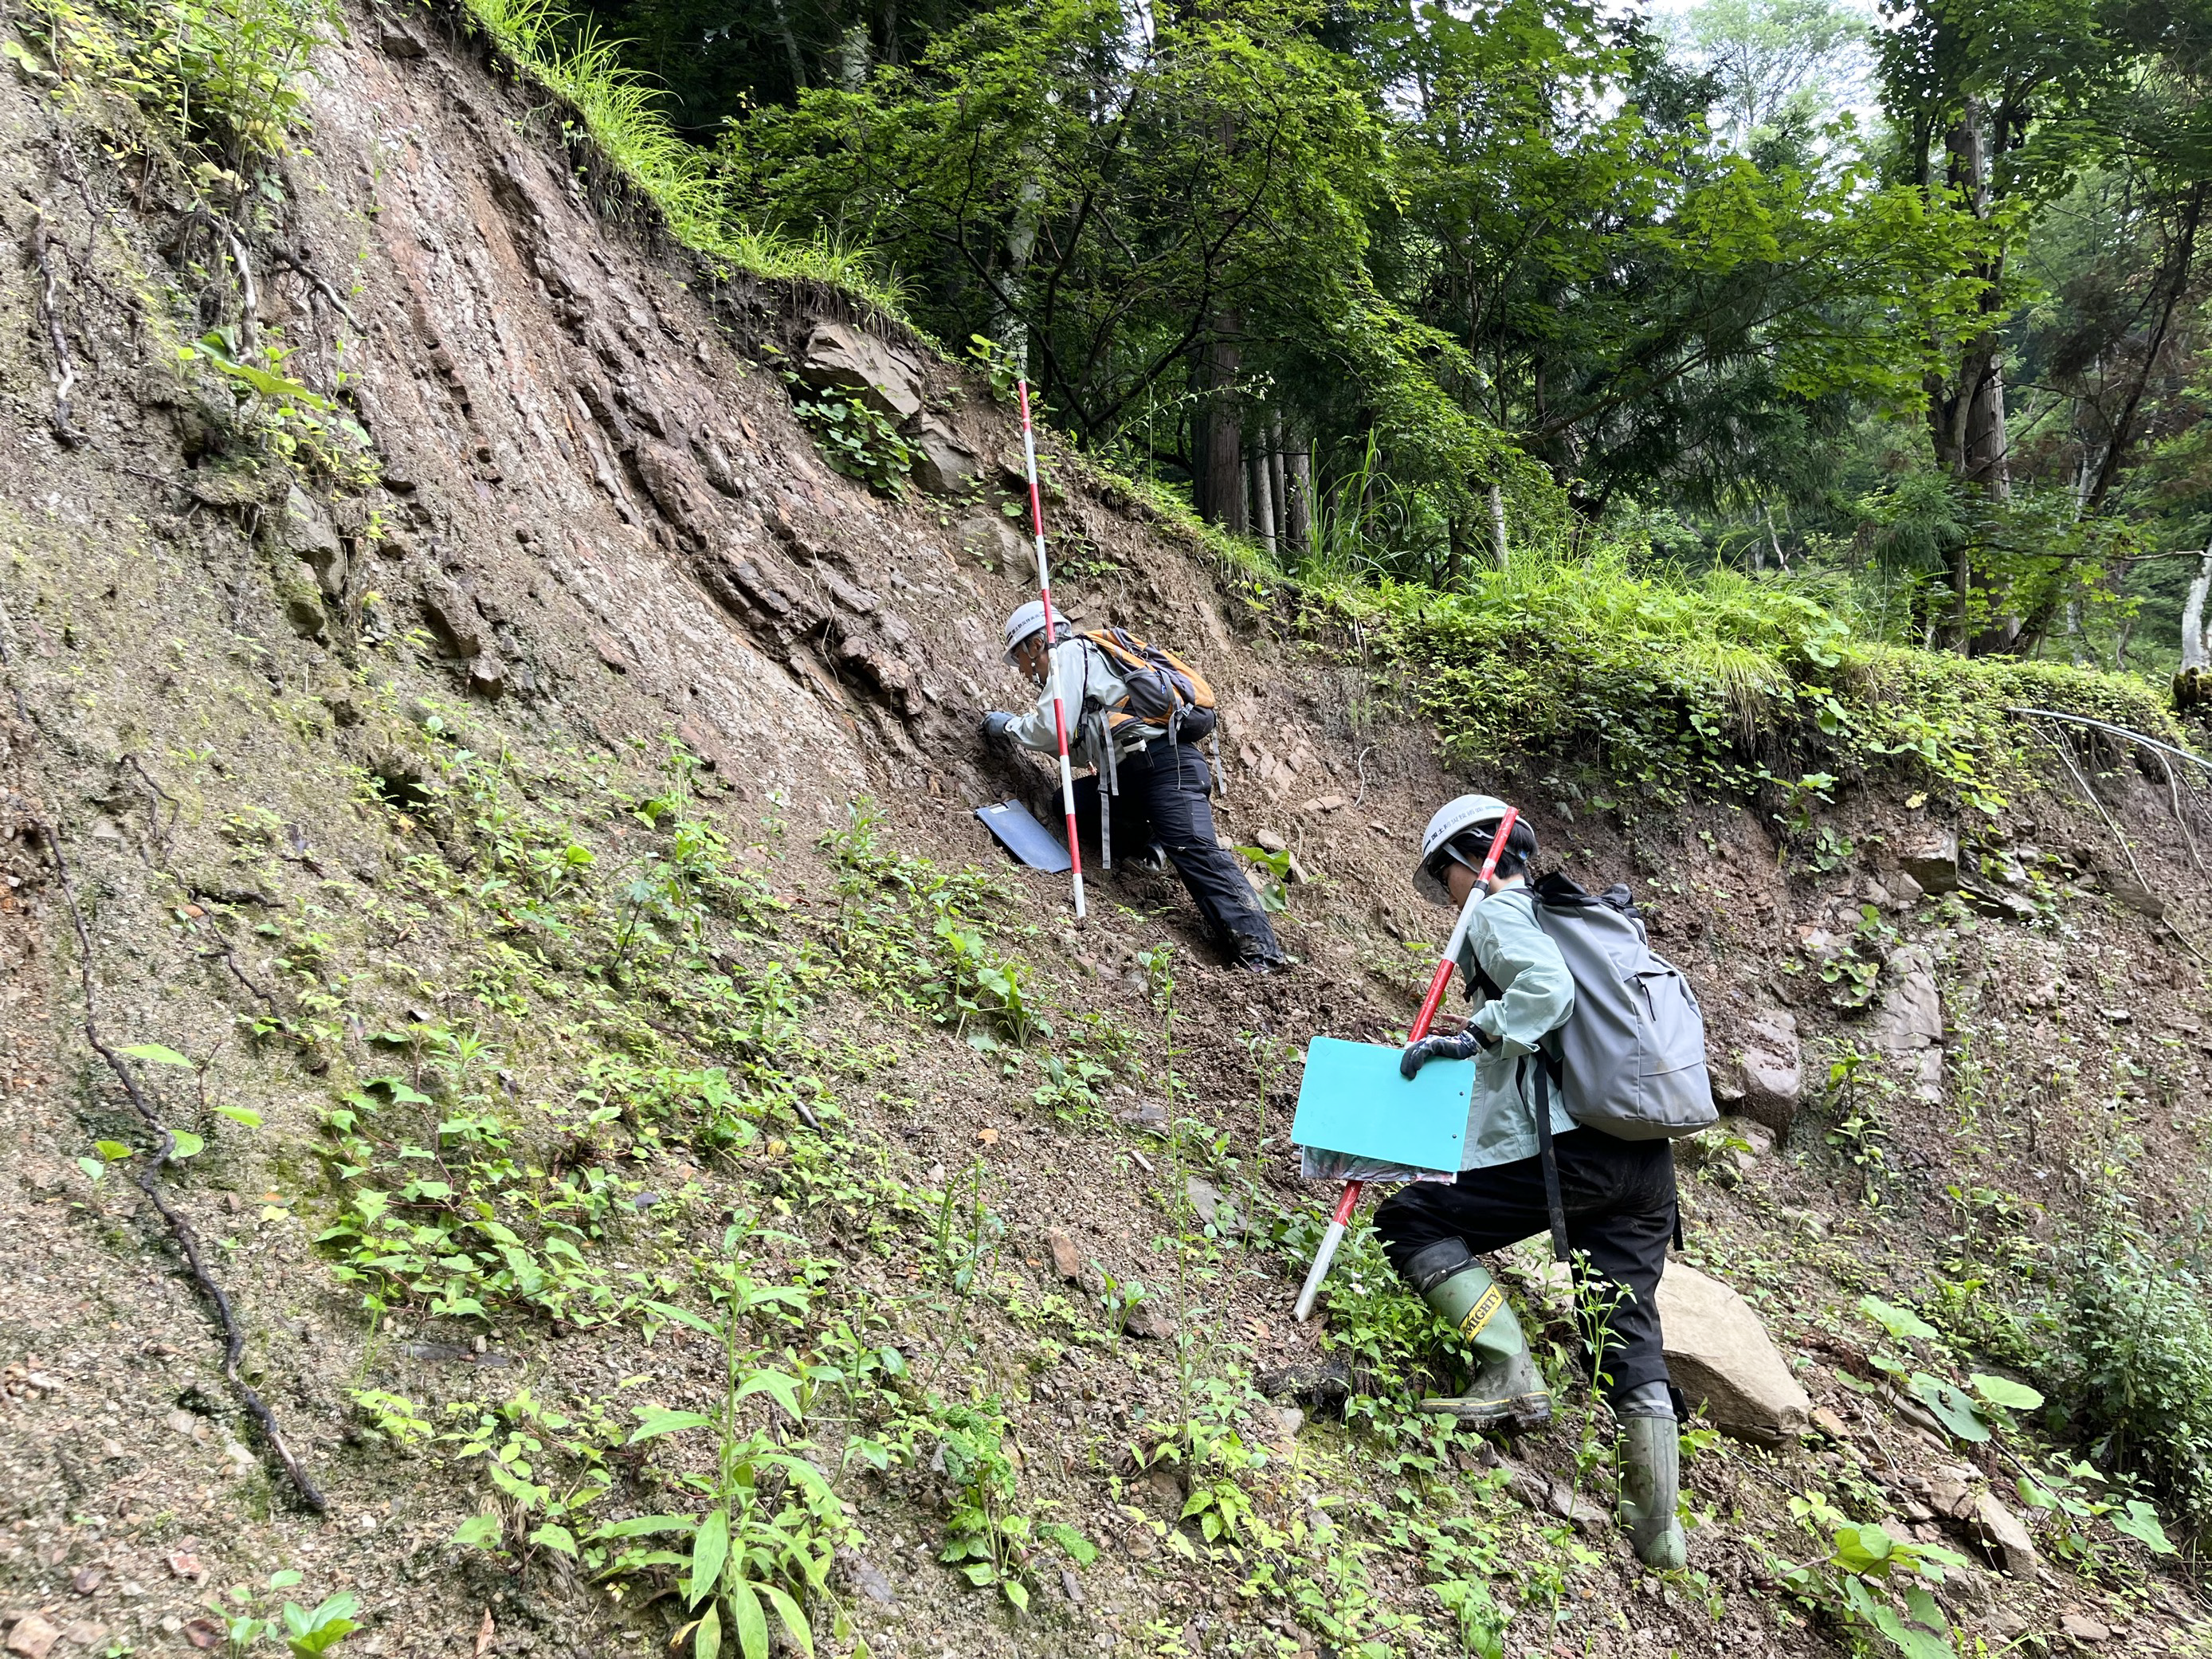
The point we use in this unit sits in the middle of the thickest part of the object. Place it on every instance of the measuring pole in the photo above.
(1349, 1200)
(1051, 662)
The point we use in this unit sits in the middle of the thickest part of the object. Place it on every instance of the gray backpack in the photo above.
(1631, 1060)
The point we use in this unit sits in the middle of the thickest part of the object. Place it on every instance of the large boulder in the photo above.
(840, 356)
(1773, 1070)
(1724, 1363)
(1932, 860)
(1907, 1026)
(943, 464)
(303, 531)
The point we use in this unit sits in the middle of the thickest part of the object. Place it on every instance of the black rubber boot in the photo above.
(1651, 1453)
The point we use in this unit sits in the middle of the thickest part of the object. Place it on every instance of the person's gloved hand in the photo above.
(995, 724)
(1418, 1054)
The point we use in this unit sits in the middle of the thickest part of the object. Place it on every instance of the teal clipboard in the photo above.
(1352, 1101)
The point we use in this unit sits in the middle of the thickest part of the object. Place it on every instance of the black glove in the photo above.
(995, 724)
(1418, 1054)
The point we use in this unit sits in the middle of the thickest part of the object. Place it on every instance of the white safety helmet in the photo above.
(1454, 818)
(1027, 621)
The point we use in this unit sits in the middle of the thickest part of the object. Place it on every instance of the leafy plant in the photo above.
(856, 440)
(992, 1542)
(1864, 1568)
(771, 1524)
(250, 1617)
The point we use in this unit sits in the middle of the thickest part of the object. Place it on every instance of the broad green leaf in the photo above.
(245, 1114)
(154, 1054)
(113, 1151)
(2003, 1391)
(794, 1621)
(479, 1532)
(2140, 1521)
(1017, 1592)
(752, 1624)
(803, 1472)
(654, 1423)
(1920, 1607)
(1913, 1642)
(185, 1144)
(710, 1548)
(1951, 1406)
(706, 1634)
(980, 1573)
(1899, 1322)
(782, 1386)
(553, 1536)
(96, 1171)
(684, 1316)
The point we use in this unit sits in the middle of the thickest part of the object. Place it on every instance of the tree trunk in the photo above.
(1221, 484)
(1298, 500)
(1497, 525)
(790, 45)
(2195, 643)
(1275, 482)
(1263, 498)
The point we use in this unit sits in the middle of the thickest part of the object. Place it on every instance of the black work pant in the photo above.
(1164, 799)
(1619, 1199)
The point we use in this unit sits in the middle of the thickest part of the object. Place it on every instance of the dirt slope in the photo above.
(367, 798)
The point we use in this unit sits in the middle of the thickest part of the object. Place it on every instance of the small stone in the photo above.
(171, 1625)
(1271, 840)
(1830, 1425)
(33, 1638)
(397, 42)
(2082, 1628)
(87, 1580)
(1067, 1259)
(1949, 1494)
(1278, 1425)
(1150, 1320)
(84, 1633)
(1331, 803)
(2005, 1624)
(1933, 862)
(1217, 1212)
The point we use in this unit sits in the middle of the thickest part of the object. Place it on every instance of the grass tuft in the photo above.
(621, 110)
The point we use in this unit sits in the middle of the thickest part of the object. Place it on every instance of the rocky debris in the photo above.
(1829, 1423)
(1724, 1363)
(943, 464)
(1323, 1382)
(1278, 1425)
(1149, 1320)
(1906, 1025)
(2132, 893)
(1217, 1212)
(33, 1637)
(2004, 1534)
(453, 616)
(859, 1577)
(1932, 861)
(838, 357)
(680, 490)
(2082, 1628)
(1271, 840)
(301, 530)
(1066, 1258)
(1584, 1514)
(1772, 1068)
(995, 544)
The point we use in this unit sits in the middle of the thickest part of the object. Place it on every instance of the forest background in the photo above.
(1903, 315)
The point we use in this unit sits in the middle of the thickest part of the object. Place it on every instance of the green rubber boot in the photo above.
(1504, 1390)
(1650, 1452)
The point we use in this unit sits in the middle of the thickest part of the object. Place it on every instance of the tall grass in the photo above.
(622, 111)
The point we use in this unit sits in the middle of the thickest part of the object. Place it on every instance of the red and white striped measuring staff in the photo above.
(1350, 1200)
(1052, 666)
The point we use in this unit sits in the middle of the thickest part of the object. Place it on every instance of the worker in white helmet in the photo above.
(1161, 779)
(1617, 1195)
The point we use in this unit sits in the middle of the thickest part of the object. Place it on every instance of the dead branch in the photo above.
(149, 1182)
(157, 796)
(42, 241)
(2067, 755)
(298, 261)
(2129, 733)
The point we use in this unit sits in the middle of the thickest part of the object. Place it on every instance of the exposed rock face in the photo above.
(993, 542)
(1724, 1363)
(302, 531)
(1933, 861)
(1907, 1024)
(1773, 1071)
(840, 356)
(943, 464)
(2006, 1536)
